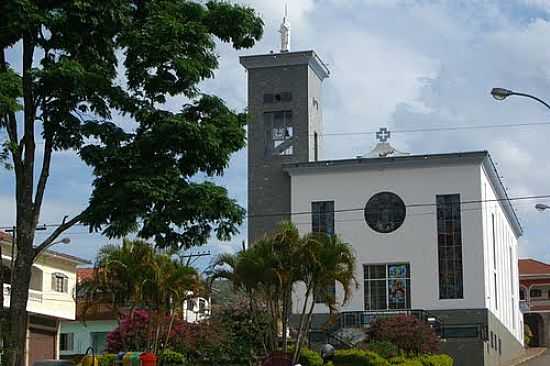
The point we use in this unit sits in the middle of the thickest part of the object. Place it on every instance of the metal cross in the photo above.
(383, 134)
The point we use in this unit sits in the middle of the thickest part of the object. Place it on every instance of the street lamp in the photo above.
(541, 207)
(501, 94)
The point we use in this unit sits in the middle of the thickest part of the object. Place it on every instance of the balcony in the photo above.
(34, 295)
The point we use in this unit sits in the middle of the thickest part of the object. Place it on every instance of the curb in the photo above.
(528, 358)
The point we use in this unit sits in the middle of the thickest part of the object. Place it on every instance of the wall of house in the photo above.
(82, 333)
(414, 242)
(43, 299)
(500, 245)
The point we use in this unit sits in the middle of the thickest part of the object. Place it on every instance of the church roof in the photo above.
(532, 267)
(410, 161)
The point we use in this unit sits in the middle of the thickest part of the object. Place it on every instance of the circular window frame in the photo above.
(396, 201)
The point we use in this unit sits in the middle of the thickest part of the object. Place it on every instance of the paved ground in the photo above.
(543, 360)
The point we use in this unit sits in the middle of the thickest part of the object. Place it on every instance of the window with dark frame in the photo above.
(60, 282)
(522, 294)
(387, 286)
(535, 292)
(283, 97)
(449, 246)
(66, 341)
(322, 221)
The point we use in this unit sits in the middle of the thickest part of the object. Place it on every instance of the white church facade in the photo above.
(433, 234)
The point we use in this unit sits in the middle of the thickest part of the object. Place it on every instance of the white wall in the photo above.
(47, 301)
(506, 304)
(415, 241)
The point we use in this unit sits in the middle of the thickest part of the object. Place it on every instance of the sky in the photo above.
(400, 64)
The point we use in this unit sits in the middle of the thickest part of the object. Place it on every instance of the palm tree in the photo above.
(133, 276)
(271, 268)
(326, 260)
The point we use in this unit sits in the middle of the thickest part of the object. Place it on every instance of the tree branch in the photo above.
(58, 231)
(44, 174)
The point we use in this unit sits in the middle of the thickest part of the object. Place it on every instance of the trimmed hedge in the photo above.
(171, 358)
(357, 357)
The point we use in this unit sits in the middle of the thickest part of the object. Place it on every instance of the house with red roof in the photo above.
(534, 296)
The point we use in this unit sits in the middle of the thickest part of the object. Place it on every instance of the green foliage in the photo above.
(404, 361)
(385, 349)
(310, 358)
(268, 271)
(436, 360)
(10, 90)
(171, 358)
(107, 359)
(243, 338)
(357, 357)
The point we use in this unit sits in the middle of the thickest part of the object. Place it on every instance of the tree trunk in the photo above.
(18, 320)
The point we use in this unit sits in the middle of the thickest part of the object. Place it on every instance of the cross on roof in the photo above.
(383, 134)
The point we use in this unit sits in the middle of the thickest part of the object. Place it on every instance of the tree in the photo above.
(272, 267)
(137, 281)
(69, 70)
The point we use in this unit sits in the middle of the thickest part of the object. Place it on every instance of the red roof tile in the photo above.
(84, 273)
(533, 267)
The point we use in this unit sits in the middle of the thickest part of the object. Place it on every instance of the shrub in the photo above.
(357, 357)
(171, 358)
(108, 359)
(310, 358)
(404, 361)
(409, 334)
(436, 360)
(385, 349)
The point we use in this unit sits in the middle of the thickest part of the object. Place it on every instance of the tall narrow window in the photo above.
(449, 245)
(322, 217)
(279, 133)
(496, 290)
(322, 221)
(387, 286)
(66, 341)
(60, 282)
(494, 242)
(315, 146)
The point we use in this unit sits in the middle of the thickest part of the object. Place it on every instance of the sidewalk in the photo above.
(529, 354)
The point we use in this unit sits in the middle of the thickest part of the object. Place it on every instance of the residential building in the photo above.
(534, 294)
(51, 298)
(434, 234)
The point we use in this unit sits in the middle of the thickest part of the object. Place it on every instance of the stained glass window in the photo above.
(387, 286)
(322, 221)
(449, 245)
(385, 212)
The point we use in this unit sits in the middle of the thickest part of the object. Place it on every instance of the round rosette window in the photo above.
(385, 212)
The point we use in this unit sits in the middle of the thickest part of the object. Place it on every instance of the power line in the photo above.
(413, 205)
(439, 129)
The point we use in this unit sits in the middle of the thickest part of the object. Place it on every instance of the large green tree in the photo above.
(69, 69)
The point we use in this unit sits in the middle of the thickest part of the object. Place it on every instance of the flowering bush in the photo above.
(409, 334)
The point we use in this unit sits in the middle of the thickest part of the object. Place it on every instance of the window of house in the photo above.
(496, 290)
(535, 292)
(449, 245)
(66, 341)
(284, 97)
(202, 306)
(521, 294)
(322, 221)
(60, 282)
(190, 305)
(387, 286)
(279, 133)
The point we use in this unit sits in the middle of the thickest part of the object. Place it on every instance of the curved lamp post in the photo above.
(501, 94)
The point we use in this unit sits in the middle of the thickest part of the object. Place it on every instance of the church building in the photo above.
(433, 234)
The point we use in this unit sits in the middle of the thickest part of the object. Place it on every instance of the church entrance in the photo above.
(536, 325)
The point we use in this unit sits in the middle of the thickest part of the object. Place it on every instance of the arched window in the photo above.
(60, 282)
(522, 293)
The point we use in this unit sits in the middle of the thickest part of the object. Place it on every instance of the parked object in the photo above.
(148, 359)
(131, 359)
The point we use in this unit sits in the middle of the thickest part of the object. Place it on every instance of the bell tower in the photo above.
(284, 106)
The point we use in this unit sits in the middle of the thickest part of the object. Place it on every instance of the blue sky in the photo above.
(402, 64)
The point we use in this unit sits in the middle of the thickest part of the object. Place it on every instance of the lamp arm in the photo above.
(532, 97)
